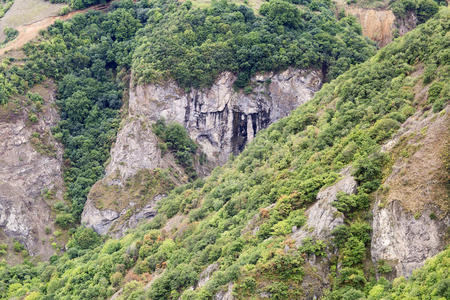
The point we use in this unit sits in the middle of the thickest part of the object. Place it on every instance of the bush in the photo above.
(64, 11)
(64, 220)
(177, 140)
(10, 34)
(18, 247)
(84, 238)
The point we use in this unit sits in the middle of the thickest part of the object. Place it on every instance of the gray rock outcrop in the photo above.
(206, 274)
(404, 240)
(220, 119)
(410, 215)
(322, 217)
(225, 294)
(29, 169)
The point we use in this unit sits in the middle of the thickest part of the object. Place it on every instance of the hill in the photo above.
(291, 217)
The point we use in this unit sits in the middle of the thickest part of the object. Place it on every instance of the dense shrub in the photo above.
(193, 46)
(176, 138)
(237, 220)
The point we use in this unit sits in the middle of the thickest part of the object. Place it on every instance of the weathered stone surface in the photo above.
(99, 220)
(24, 175)
(410, 215)
(377, 24)
(225, 294)
(146, 213)
(136, 148)
(322, 217)
(117, 223)
(380, 24)
(220, 119)
(206, 274)
(404, 240)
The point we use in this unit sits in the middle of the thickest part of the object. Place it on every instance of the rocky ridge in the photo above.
(220, 120)
(30, 177)
(410, 216)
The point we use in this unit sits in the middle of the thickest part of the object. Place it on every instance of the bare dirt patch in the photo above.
(377, 24)
(29, 31)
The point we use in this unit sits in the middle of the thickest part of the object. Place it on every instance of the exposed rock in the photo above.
(148, 212)
(322, 217)
(117, 223)
(316, 279)
(377, 24)
(206, 274)
(99, 220)
(118, 201)
(407, 23)
(136, 148)
(410, 216)
(403, 240)
(380, 24)
(225, 294)
(220, 119)
(30, 164)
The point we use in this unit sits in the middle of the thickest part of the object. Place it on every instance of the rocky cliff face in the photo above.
(220, 119)
(377, 24)
(410, 216)
(380, 25)
(30, 176)
(322, 218)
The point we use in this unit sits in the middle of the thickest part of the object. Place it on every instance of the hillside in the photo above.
(349, 189)
(93, 61)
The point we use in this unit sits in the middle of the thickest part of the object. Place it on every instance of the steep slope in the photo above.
(382, 21)
(30, 170)
(429, 282)
(220, 120)
(410, 215)
(231, 93)
(247, 231)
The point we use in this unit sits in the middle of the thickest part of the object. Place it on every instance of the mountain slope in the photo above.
(243, 230)
(90, 59)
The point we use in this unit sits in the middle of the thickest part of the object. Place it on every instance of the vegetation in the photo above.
(80, 4)
(275, 178)
(10, 34)
(430, 282)
(423, 9)
(176, 139)
(5, 5)
(239, 218)
(193, 46)
(88, 56)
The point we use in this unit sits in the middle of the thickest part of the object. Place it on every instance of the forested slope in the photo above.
(238, 222)
(90, 58)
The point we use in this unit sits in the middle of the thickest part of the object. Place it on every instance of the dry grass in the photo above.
(138, 189)
(419, 175)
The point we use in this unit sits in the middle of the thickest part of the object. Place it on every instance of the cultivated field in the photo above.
(28, 11)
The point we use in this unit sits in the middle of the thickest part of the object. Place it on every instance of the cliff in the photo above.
(410, 215)
(221, 120)
(380, 24)
(30, 173)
